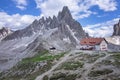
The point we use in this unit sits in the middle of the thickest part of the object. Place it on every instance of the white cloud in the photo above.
(104, 15)
(106, 5)
(15, 21)
(101, 29)
(79, 8)
(21, 7)
(21, 4)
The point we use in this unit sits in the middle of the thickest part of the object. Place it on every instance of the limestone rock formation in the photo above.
(117, 29)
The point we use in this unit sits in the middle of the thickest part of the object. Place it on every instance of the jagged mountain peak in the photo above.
(54, 17)
(4, 28)
(66, 10)
(64, 14)
(64, 19)
(116, 29)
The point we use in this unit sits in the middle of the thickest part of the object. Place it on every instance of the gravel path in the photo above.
(88, 66)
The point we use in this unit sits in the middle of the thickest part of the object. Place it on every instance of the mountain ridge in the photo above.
(61, 32)
(63, 17)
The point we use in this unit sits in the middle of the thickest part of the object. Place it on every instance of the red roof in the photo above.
(91, 41)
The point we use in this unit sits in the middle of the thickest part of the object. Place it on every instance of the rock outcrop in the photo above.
(4, 32)
(117, 29)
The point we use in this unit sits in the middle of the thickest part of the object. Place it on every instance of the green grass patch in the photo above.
(57, 76)
(73, 65)
(43, 57)
(26, 71)
(106, 62)
(78, 52)
(100, 72)
(116, 57)
(45, 77)
(90, 58)
(63, 76)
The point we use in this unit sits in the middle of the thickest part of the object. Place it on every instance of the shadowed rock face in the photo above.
(4, 32)
(117, 29)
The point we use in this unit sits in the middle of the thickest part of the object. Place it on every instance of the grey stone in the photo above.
(116, 29)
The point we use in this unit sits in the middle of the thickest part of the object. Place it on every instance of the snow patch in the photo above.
(72, 33)
(67, 40)
(114, 40)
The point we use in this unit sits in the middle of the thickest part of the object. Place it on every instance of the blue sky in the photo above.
(96, 16)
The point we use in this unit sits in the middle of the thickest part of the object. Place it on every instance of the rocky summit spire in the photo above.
(65, 14)
(117, 29)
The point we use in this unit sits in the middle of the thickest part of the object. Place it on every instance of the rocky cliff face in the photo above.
(63, 22)
(4, 32)
(61, 32)
(117, 29)
(62, 28)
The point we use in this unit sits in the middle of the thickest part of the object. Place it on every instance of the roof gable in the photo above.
(91, 41)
